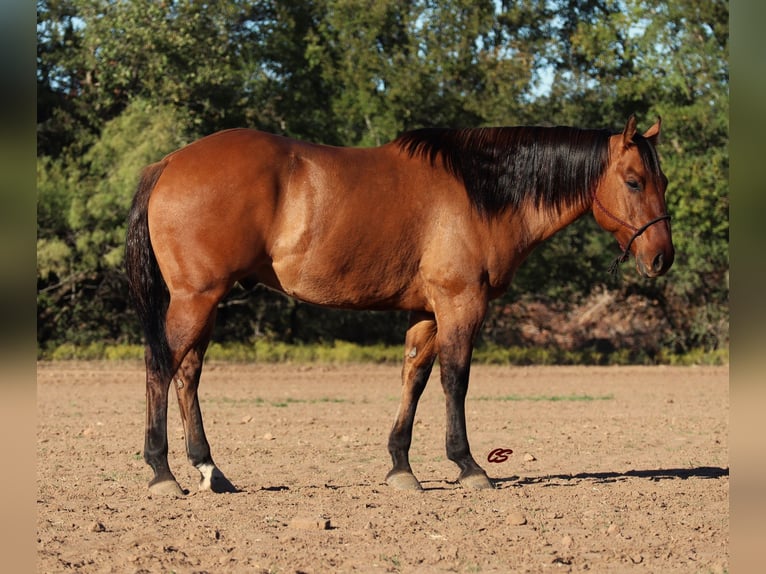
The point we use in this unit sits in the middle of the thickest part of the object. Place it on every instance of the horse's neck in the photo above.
(515, 234)
(540, 223)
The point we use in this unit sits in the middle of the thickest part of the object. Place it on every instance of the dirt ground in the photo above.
(614, 469)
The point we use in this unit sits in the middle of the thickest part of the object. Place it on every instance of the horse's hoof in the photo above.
(403, 481)
(214, 480)
(476, 482)
(166, 488)
(221, 484)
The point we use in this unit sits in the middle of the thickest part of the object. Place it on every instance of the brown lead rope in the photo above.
(637, 231)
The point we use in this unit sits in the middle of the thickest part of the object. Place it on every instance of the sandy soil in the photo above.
(612, 470)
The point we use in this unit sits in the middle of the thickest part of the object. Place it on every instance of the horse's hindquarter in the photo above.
(213, 207)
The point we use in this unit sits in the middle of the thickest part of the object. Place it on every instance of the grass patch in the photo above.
(338, 352)
(716, 357)
(260, 401)
(92, 352)
(291, 401)
(343, 352)
(550, 398)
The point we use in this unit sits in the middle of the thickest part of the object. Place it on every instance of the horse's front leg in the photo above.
(455, 339)
(419, 355)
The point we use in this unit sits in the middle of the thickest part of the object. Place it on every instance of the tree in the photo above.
(612, 58)
(122, 83)
(82, 211)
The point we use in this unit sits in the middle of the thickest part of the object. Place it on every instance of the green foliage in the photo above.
(142, 133)
(82, 210)
(96, 351)
(540, 355)
(343, 352)
(613, 58)
(120, 84)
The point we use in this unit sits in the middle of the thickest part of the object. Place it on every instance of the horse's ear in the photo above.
(629, 132)
(653, 133)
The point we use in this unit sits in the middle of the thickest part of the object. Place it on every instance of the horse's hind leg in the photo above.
(197, 448)
(419, 355)
(187, 322)
(156, 438)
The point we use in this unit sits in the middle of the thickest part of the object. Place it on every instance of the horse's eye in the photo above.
(633, 185)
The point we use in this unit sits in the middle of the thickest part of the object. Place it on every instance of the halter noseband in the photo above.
(637, 231)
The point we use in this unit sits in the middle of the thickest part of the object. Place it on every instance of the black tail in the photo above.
(147, 287)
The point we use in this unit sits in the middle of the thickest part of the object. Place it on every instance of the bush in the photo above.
(343, 352)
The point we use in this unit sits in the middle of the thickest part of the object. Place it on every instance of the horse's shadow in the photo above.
(554, 480)
(611, 476)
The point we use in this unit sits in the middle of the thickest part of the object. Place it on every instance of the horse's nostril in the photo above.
(657, 264)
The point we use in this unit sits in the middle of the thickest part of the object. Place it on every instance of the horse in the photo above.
(435, 223)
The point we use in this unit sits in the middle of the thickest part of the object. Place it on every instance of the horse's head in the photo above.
(629, 201)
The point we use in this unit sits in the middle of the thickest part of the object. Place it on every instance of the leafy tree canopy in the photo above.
(122, 83)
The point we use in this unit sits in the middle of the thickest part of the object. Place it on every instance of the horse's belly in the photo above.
(351, 285)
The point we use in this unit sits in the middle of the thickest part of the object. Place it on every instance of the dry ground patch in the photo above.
(614, 469)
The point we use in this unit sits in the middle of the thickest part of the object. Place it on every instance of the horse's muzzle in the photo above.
(658, 265)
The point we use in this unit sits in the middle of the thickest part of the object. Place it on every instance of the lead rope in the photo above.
(637, 231)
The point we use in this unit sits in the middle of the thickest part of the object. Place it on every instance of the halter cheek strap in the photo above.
(637, 231)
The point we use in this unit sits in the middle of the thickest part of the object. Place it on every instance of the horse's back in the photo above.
(334, 226)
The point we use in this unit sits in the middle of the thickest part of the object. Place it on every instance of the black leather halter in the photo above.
(637, 231)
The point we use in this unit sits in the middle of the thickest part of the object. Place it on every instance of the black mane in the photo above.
(551, 167)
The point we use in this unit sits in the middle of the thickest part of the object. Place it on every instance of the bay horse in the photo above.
(435, 222)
